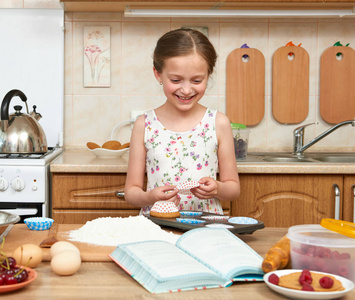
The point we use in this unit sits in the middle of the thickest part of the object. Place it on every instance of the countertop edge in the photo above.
(82, 161)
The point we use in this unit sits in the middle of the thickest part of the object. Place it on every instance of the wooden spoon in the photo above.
(92, 146)
(112, 145)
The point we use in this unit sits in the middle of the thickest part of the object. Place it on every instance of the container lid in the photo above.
(342, 227)
(316, 235)
(238, 126)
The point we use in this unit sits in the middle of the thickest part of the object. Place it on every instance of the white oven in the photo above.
(33, 62)
(25, 183)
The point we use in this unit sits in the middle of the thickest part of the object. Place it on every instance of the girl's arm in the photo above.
(227, 188)
(134, 193)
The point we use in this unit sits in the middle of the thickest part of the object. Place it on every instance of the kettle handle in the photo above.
(6, 102)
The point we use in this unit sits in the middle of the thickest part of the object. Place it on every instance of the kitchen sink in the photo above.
(311, 158)
(286, 159)
(336, 159)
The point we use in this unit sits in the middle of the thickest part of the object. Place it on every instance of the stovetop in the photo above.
(26, 156)
(30, 159)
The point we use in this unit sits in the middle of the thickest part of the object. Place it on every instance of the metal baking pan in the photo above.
(209, 220)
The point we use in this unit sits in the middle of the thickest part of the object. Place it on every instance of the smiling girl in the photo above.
(182, 141)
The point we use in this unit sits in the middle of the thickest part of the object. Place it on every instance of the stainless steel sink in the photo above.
(336, 159)
(310, 158)
(286, 159)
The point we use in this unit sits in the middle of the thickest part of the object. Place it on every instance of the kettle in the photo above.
(20, 132)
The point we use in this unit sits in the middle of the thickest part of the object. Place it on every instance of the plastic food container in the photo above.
(241, 139)
(319, 249)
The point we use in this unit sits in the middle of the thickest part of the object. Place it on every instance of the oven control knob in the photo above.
(4, 184)
(18, 184)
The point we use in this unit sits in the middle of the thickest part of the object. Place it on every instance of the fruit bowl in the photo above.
(32, 275)
(38, 223)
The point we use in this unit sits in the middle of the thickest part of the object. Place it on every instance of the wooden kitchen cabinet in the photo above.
(349, 198)
(283, 200)
(81, 197)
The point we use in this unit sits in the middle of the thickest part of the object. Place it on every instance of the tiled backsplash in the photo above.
(91, 113)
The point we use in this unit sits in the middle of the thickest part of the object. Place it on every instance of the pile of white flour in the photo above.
(114, 231)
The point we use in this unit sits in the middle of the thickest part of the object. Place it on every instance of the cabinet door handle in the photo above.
(353, 186)
(337, 201)
(119, 194)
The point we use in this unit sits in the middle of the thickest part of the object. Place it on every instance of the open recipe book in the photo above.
(202, 258)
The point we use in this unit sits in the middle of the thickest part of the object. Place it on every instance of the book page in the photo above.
(222, 251)
(164, 260)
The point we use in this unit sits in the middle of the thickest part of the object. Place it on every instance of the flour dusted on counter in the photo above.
(114, 231)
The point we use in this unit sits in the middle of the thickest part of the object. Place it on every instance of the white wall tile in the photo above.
(133, 86)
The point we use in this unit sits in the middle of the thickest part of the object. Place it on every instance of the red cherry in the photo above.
(10, 279)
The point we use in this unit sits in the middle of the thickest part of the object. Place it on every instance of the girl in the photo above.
(182, 140)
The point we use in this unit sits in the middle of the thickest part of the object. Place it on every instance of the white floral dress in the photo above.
(176, 157)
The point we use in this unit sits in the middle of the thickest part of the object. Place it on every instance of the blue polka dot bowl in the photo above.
(38, 223)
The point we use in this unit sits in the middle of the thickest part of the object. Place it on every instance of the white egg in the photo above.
(29, 255)
(66, 262)
(62, 246)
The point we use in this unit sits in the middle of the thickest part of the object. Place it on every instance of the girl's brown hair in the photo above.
(181, 42)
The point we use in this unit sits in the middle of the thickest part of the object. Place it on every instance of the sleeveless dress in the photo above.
(177, 157)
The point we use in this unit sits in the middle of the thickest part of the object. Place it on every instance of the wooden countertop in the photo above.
(105, 280)
(83, 161)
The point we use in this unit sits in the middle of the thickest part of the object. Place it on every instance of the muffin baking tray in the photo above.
(192, 219)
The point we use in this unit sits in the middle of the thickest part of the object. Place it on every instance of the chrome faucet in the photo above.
(298, 137)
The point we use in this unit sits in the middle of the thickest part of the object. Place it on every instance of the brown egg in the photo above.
(92, 146)
(29, 255)
(112, 145)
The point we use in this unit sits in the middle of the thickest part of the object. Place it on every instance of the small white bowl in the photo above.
(107, 153)
(38, 223)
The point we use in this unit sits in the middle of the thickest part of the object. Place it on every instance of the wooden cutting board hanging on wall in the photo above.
(337, 84)
(290, 85)
(245, 86)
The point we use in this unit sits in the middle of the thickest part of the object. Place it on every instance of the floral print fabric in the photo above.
(176, 157)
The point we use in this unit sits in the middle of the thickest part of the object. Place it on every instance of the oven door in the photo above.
(24, 210)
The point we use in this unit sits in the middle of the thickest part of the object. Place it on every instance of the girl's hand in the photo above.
(164, 193)
(207, 188)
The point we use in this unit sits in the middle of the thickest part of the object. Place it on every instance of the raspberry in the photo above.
(305, 277)
(307, 287)
(274, 279)
(335, 255)
(344, 256)
(343, 271)
(311, 251)
(320, 252)
(326, 282)
(304, 247)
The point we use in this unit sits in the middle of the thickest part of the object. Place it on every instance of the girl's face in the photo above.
(184, 80)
